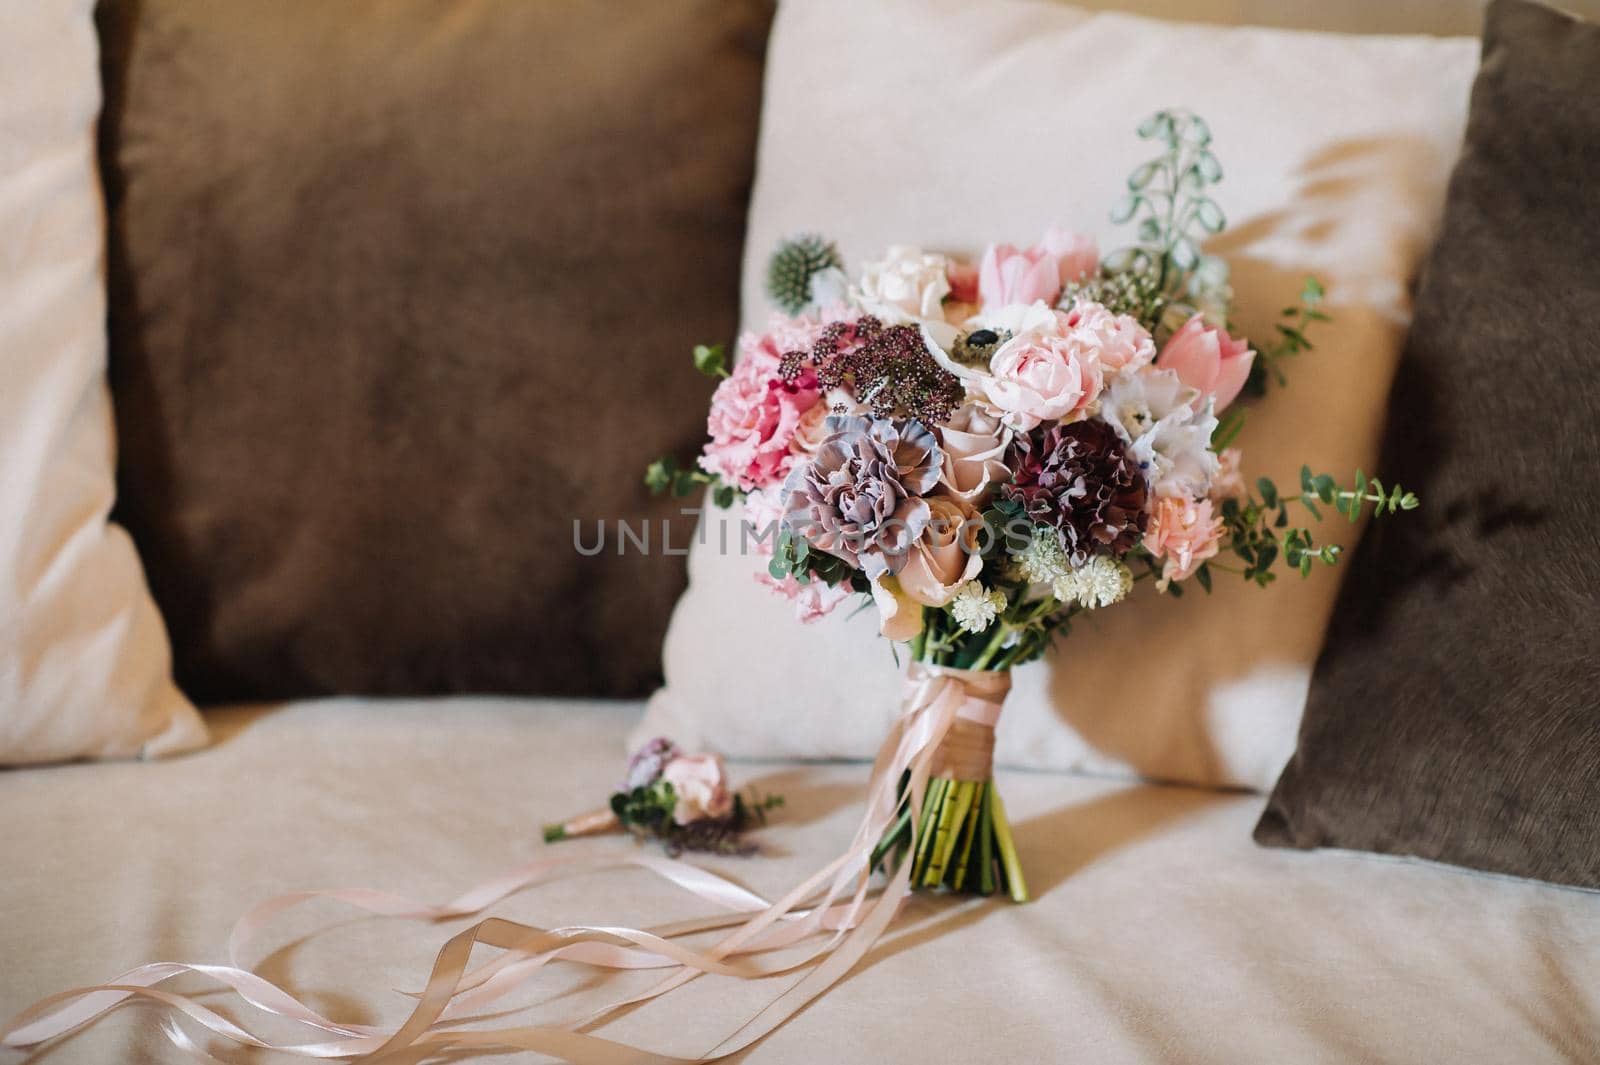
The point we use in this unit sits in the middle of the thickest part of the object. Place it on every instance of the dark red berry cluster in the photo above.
(889, 367)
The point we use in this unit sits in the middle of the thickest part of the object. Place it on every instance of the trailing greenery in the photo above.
(1259, 533)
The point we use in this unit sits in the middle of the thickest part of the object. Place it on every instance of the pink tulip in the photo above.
(1076, 254)
(1010, 275)
(1208, 359)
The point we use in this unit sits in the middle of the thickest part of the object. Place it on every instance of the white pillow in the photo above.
(84, 660)
(950, 124)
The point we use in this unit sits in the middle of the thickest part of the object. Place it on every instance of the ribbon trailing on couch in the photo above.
(828, 922)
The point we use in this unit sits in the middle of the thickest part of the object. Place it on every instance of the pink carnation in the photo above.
(755, 413)
(1183, 532)
(1124, 344)
(812, 601)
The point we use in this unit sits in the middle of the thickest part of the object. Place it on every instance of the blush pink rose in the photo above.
(755, 413)
(700, 786)
(973, 443)
(1184, 533)
(1208, 359)
(946, 555)
(1124, 345)
(1042, 377)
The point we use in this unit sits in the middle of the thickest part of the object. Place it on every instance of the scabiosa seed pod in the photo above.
(792, 267)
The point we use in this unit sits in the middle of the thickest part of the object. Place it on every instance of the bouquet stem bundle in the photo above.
(962, 840)
(958, 836)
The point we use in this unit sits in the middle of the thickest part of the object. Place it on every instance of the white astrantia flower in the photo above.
(1154, 411)
(975, 607)
(1043, 560)
(1100, 582)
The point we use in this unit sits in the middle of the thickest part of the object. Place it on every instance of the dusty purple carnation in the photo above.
(860, 496)
(647, 763)
(1080, 479)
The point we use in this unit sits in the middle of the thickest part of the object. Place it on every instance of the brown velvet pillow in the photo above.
(1455, 711)
(400, 291)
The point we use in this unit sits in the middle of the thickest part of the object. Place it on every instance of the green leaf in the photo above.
(1228, 428)
(1196, 131)
(1305, 479)
(1142, 175)
(1210, 168)
(658, 475)
(1210, 216)
(1268, 490)
(1312, 292)
(724, 496)
(710, 360)
(1150, 230)
(1184, 255)
(1203, 575)
(1327, 488)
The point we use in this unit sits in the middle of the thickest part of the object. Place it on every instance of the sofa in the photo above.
(1158, 932)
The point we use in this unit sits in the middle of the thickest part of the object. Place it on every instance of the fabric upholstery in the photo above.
(1452, 714)
(1158, 932)
(402, 291)
(84, 660)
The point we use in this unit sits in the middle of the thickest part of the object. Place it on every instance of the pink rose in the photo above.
(945, 556)
(700, 786)
(974, 446)
(1208, 359)
(1125, 346)
(1042, 376)
(1183, 532)
(755, 413)
(1076, 254)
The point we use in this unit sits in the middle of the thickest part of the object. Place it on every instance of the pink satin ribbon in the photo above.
(767, 938)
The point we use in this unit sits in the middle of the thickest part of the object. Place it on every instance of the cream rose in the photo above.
(974, 443)
(906, 284)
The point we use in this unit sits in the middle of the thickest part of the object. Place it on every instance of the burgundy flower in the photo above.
(1080, 479)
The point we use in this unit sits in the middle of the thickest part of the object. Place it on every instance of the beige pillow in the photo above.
(950, 124)
(84, 663)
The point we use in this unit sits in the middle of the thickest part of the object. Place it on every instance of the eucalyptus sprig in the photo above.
(668, 475)
(1291, 339)
(1168, 201)
(1258, 529)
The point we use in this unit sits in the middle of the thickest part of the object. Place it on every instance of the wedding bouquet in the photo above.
(989, 451)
